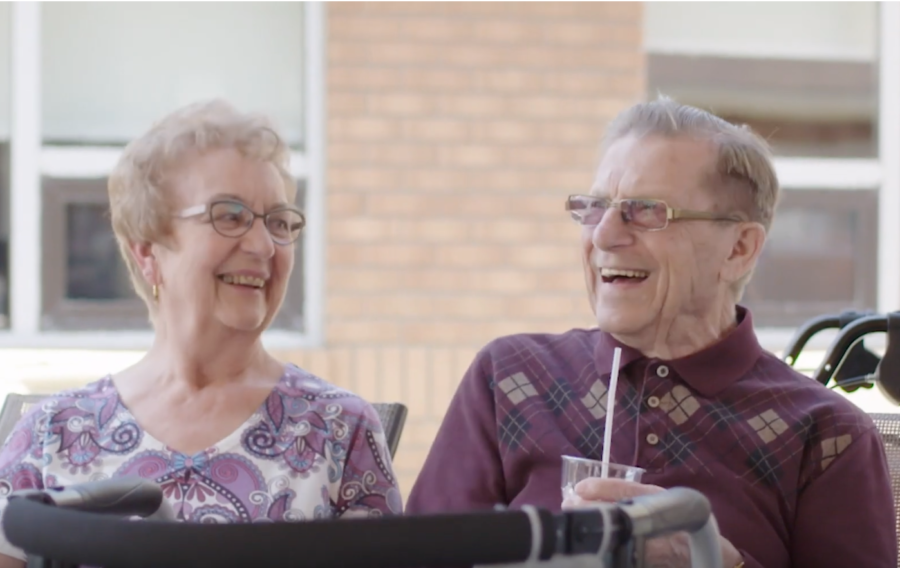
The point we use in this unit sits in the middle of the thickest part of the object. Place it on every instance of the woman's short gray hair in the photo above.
(139, 206)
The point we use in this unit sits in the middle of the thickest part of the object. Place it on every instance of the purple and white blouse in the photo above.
(311, 451)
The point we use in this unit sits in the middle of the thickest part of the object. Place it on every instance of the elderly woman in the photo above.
(202, 207)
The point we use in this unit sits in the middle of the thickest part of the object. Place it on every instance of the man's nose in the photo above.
(612, 231)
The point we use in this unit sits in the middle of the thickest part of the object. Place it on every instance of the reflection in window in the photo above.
(4, 284)
(809, 85)
(94, 267)
(820, 258)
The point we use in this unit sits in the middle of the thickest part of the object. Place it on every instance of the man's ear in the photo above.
(745, 251)
(143, 255)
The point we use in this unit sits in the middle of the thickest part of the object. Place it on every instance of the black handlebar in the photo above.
(816, 325)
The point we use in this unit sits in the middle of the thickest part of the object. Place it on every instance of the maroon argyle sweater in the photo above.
(796, 474)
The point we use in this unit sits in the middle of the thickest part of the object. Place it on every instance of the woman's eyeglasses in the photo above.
(232, 218)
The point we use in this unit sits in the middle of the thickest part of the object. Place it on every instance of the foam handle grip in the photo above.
(118, 496)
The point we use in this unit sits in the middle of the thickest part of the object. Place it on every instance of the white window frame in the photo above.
(881, 174)
(29, 160)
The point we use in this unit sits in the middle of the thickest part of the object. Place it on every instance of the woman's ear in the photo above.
(144, 257)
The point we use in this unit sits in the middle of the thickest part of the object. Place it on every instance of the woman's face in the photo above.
(208, 280)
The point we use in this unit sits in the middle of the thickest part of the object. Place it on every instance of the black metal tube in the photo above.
(805, 332)
(436, 541)
(844, 341)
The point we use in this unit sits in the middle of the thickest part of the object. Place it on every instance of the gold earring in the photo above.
(156, 292)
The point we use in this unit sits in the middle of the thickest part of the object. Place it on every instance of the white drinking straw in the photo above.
(610, 402)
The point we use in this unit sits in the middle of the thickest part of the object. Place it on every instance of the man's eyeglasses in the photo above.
(647, 214)
(233, 219)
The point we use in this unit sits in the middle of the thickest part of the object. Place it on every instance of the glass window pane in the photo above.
(5, 57)
(290, 317)
(5, 14)
(4, 236)
(111, 68)
(820, 258)
(86, 284)
(779, 30)
(803, 74)
(94, 267)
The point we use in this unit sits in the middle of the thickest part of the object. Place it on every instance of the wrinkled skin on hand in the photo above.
(670, 551)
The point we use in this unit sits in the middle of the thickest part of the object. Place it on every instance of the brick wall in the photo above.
(454, 132)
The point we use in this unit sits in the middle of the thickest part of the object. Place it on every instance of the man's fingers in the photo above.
(612, 490)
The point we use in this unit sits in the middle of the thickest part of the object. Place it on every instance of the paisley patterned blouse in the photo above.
(310, 451)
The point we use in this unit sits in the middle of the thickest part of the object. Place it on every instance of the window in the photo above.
(85, 79)
(806, 76)
(4, 164)
(803, 108)
(820, 257)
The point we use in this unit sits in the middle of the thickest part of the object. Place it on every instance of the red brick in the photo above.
(418, 383)
(400, 154)
(344, 306)
(492, 106)
(594, 33)
(436, 30)
(512, 81)
(341, 367)
(366, 373)
(364, 178)
(403, 54)
(393, 375)
(363, 279)
(405, 306)
(506, 131)
(471, 156)
(358, 230)
(401, 104)
(364, 128)
(585, 133)
(430, 231)
(444, 379)
(437, 130)
(345, 204)
(357, 28)
(489, 31)
(479, 306)
(362, 332)
(439, 80)
(468, 256)
(381, 254)
(548, 307)
(507, 231)
(362, 79)
(347, 104)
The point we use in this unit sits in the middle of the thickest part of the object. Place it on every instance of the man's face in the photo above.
(640, 281)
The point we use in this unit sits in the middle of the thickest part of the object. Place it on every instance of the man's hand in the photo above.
(671, 551)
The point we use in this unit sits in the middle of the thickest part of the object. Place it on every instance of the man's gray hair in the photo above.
(744, 175)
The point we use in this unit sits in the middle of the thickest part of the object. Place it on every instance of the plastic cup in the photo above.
(575, 469)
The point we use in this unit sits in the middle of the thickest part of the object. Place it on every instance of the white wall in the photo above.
(841, 31)
(111, 68)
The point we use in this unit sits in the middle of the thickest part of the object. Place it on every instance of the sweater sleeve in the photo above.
(463, 470)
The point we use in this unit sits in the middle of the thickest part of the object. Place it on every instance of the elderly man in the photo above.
(671, 230)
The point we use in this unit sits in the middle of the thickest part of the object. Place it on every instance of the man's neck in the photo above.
(682, 335)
